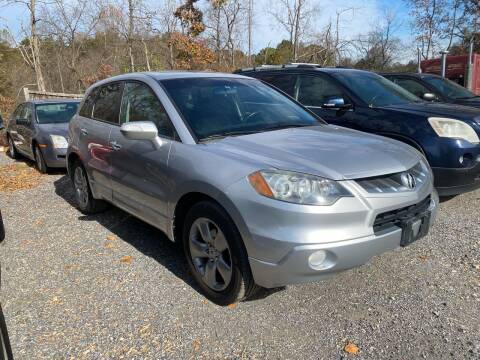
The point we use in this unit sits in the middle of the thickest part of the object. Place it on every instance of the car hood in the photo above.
(328, 151)
(54, 129)
(435, 109)
(475, 102)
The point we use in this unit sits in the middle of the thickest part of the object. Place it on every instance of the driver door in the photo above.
(140, 175)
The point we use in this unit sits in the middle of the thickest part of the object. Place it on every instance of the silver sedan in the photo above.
(258, 190)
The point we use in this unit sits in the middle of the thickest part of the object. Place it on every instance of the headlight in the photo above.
(296, 187)
(59, 142)
(452, 128)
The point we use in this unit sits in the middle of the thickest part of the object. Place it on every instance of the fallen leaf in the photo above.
(196, 345)
(205, 301)
(111, 237)
(423, 257)
(351, 348)
(19, 176)
(145, 330)
(127, 259)
(39, 221)
(55, 300)
(232, 306)
(109, 245)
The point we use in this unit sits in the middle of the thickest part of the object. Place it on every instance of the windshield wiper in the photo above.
(248, 132)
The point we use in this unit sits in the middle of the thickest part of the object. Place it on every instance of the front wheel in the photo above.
(216, 255)
(40, 161)
(83, 194)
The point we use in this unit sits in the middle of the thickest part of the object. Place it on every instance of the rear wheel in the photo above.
(83, 194)
(40, 161)
(216, 255)
(12, 151)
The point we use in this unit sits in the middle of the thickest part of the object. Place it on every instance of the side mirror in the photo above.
(336, 103)
(139, 130)
(1, 125)
(429, 97)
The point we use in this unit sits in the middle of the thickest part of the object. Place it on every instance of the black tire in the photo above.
(5, 348)
(12, 151)
(40, 163)
(241, 285)
(86, 203)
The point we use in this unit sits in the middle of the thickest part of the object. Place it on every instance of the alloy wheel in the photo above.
(81, 187)
(210, 254)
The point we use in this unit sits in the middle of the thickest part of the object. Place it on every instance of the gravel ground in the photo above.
(111, 287)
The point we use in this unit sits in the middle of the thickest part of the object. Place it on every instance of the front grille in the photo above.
(396, 217)
(392, 183)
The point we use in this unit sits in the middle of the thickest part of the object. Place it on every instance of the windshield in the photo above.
(215, 107)
(449, 88)
(56, 113)
(374, 89)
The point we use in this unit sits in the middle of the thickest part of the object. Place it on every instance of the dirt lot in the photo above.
(111, 287)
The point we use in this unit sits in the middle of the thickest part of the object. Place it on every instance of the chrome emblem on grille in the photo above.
(408, 180)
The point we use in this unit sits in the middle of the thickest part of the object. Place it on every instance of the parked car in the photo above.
(259, 191)
(38, 130)
(447, 135)
(431, 87)
(5, 348)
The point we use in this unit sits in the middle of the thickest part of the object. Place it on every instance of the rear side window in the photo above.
(139, 103)
(107, 103)
(317, 90)
(282, 82)
(87, 107)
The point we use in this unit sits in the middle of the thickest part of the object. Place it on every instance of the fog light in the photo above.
(317, 259)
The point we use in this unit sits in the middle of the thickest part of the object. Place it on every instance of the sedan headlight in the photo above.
(452, 128)
(297, 188)
(59, 142)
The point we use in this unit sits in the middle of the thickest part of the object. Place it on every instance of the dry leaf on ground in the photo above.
(18, 176)
(351, 348)
(423, 257)
(232, 306)
(111, 237)
(196, 345)
(127, 259)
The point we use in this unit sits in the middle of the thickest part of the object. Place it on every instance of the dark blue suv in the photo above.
(448, 135)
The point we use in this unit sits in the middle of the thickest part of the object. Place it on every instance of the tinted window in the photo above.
(374, 89)
(139, 103)
(55, 113)
(317, 90)
(448, 88)
(18, 111)
(282, 82)
(230, 106)
(413, 86)
(87, 106)
(107, 103)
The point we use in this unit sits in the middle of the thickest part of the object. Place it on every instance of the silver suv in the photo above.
(257, 189)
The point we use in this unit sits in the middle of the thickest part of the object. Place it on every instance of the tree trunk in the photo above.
(130, 35)
(35, 47)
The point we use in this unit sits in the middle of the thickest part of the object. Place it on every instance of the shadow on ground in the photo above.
(145, 238)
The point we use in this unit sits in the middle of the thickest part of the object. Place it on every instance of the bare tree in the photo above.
(294, 16)
(31, 51)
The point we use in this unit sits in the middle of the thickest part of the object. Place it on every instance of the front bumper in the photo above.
(55, 158)
(450, 181)
(280, 237)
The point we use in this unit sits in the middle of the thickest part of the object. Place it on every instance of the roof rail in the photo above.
(282, 66)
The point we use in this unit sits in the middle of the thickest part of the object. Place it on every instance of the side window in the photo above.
(317, 90)
(107, 103)
(87, 107)
(139, 103)
(412, 86)
(27, 112)
(18, 112)
(283, 82)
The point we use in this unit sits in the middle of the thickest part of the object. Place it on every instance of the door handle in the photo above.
(84, 131)
(115, 145)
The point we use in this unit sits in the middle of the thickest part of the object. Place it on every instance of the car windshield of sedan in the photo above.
(219, 107)
(56, 113)
(449, 88)
(374, 89)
